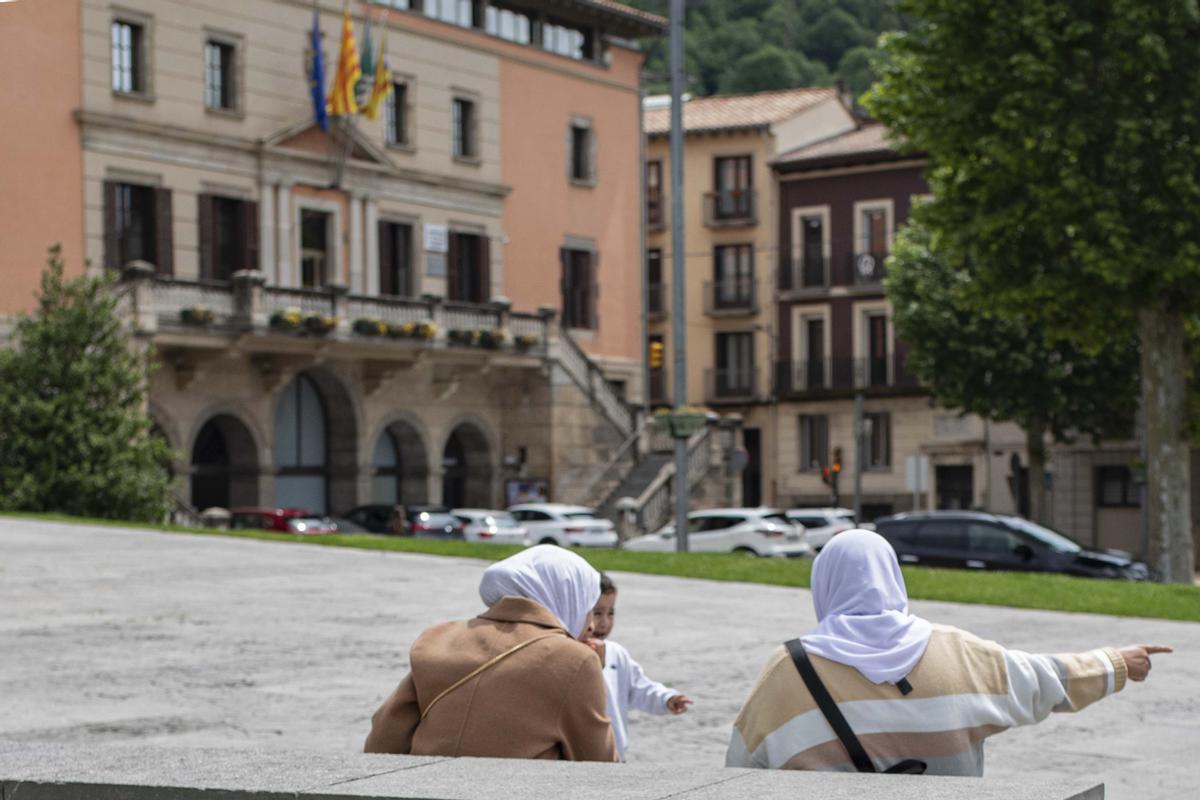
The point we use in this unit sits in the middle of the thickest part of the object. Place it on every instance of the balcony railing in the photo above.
(656, 301)
(866, 269)
(804, 273)
(730, 296)
(808, 376)
(656, 211)
(729, 207)
(161, 304)
(737, 385)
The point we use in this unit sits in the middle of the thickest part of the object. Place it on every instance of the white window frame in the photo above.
(235, 42)
(800, 316)
(410, 88)
(333, 267)
(889, 209)
(146, 23)
(798, 214)
(863, 311)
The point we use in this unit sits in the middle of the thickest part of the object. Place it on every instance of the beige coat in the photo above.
(544, 701)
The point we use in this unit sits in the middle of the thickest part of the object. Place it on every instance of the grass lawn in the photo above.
(1015, 589)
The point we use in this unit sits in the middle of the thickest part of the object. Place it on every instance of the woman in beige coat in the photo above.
(515, 682)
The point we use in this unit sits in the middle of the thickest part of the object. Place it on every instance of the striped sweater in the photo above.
(964, 690)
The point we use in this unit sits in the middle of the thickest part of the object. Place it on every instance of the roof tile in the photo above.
(733, 112)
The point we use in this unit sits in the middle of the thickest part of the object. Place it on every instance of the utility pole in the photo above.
(859, 435)
(678, 302)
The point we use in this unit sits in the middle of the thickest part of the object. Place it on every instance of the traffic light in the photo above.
(837, 460)
(826, 477)
(835, 469)
(655, 359)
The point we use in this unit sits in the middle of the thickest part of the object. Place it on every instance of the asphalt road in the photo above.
(114, 635)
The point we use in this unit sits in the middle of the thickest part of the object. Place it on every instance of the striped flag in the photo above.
(382, 86)
(316, 75)
(341, 96)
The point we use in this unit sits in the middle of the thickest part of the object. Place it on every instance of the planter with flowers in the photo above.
(681, 423)
(319, 324)
(465, 338)
(289, 319)
(493, 339)
(197, 315)
(526, 341)
(365, 326)
(412, 330)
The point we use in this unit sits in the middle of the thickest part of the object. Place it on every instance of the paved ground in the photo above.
(111, 635)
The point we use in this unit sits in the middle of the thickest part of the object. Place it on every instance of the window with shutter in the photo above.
(164, 242)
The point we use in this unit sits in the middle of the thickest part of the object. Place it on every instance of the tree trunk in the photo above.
(1168, 479)
(1035, 444)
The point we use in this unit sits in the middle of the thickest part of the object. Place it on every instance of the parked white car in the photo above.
(820, 524)
(491, 527)
(564, 525)
(751, 531)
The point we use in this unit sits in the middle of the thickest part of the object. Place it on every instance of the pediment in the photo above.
(307, 137)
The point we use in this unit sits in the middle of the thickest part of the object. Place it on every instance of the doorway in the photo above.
(955, 487)
(752, 475)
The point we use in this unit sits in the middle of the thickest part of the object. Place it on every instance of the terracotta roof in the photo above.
(630, 11)
(735, 112)
(869, 143)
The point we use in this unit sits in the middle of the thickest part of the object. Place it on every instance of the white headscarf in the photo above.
(556, 578)
(862, 609)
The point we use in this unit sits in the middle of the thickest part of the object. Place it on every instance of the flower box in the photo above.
(464, 338)
(682, 423)
(493, 339)
(290, 319)
(526, 341)
(197, 315)
(319, 324)
(370, 327)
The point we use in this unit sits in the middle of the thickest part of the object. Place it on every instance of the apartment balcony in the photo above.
(656, 301)
(801, 274)
(738, 385)
(730, 297)
(866, 269)
(656, 212)
(821, 377)
(730, 208)
(197, 315)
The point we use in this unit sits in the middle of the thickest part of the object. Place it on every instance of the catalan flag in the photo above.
(382, 86)
(341, 96)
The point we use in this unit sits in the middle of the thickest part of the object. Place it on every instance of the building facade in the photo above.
(731, 262)
(399, 309)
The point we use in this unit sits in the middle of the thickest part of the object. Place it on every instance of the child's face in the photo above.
(603, 615)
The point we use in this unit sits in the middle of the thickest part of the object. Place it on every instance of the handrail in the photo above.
(650, 504)
(584, 372)
(588, 494)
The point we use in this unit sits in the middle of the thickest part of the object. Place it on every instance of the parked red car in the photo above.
(282, 520)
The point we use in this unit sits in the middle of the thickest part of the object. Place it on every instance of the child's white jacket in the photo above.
(628, 687)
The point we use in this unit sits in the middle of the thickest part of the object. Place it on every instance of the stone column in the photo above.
(356, 244)
(249, 311)
(503, 308)
(339, 305)
(436, 315)
(285, 271)
(266, 231)
(371, 267)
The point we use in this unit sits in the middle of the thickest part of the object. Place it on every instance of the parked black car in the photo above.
(375, 517)
(975, 540)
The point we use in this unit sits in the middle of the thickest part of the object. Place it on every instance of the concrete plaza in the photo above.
(113, 635)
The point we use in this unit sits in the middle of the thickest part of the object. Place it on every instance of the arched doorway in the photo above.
(467, 469)
(224, 465)
(301, 448)
(400, 466)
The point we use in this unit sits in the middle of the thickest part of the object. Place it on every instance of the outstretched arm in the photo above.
(394, 723)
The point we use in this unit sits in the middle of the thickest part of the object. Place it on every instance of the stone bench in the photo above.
(141, 772)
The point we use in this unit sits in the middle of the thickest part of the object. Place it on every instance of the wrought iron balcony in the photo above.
(801, 274)
(730, 207)
(730, 297)
(867, 269)
(656, 301)
(824, 376)
(737, 385)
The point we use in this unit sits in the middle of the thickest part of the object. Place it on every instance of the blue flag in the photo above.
(316, 76)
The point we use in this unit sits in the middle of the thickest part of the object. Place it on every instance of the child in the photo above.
(627, 684)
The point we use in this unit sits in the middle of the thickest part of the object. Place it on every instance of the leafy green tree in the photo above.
(857, 68)
(1004, 368)
(771, 68)
(76, 437)
(833, 34)
(1069, 128)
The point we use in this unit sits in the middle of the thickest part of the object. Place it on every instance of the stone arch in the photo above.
(399, 463)
(224, 464)
(468, 469)
(316, 444)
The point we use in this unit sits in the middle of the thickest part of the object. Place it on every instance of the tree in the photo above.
(1004, 368)
(771, 68)
(857, 68)
(1068, 128)
(76, 437)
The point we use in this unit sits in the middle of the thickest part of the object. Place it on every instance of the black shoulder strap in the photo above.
(833, 715)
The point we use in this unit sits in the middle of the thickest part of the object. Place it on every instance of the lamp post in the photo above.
(678, 308)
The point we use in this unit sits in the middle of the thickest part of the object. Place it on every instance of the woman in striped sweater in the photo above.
(909, 689)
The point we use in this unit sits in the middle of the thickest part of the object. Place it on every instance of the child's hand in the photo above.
(596, 645)
(678, 704)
